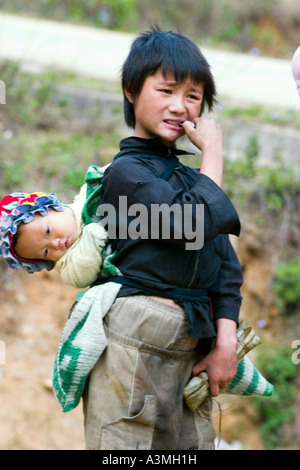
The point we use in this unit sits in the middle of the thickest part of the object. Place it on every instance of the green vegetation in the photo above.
(281, 118)
(51, 162)
(279, 184)
(113, 14)
(272, 195)
(46, 144)
(286, 286)
(277, 366)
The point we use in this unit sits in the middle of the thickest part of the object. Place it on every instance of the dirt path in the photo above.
(33, 314)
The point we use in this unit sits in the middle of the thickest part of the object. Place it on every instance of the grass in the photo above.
(52, 161)
(46, 143)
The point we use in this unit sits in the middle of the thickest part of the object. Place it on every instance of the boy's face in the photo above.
(47, 237)
(163, 104)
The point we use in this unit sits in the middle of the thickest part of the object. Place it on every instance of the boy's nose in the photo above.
(177, 104)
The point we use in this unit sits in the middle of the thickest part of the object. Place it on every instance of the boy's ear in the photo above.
(129, 96)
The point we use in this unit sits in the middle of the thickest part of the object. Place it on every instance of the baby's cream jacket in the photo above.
(81, 263)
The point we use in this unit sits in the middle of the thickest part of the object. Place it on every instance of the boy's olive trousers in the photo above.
(134, 396)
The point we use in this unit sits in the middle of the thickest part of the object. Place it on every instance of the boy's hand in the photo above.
(207, 136)
(205, 133)
(221, 362)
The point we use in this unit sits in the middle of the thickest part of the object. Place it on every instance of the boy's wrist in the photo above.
(226, 333)
(212, 167)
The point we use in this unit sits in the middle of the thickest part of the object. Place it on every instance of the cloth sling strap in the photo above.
(94, 177)
(94, 193)
(175, 293)
(171, 164)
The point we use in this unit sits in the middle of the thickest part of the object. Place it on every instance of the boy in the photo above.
(38, 232)
(173, 302)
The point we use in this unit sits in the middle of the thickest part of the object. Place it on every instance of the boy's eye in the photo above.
(47, 230)
(46, 252)
(194, 97)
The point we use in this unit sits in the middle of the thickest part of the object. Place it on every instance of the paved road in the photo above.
(241, 78)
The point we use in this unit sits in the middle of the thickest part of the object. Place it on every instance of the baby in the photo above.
(38, 232)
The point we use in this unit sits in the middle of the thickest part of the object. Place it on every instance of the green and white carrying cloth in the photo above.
(83, 339)
(82, 342)
(248, 380)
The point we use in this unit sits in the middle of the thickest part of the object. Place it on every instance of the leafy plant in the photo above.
(251, 155)
(278, 368)
(286, 286)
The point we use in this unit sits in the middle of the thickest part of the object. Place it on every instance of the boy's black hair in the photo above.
(170, 52)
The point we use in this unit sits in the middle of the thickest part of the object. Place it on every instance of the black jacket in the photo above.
(148, 173)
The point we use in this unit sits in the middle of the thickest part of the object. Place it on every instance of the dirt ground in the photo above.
(34, 309)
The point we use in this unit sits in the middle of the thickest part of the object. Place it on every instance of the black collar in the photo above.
(150, 146)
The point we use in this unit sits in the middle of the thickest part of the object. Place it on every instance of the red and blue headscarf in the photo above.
(21, 207)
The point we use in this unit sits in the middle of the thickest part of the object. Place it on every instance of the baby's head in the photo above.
(296, 68)
(35, 230)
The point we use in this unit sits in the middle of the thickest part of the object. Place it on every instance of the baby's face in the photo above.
(47, 237)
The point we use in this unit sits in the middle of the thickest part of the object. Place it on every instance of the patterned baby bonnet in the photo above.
(21, 207)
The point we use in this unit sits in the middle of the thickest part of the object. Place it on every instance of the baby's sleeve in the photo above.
(81, 264)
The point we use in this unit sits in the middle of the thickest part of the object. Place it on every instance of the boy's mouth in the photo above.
(174, 122)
